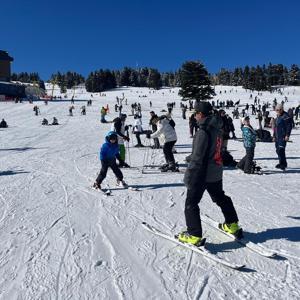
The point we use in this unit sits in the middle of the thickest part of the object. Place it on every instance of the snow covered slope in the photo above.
(59, 239)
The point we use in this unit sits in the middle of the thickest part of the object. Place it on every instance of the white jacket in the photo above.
(165, 131)
(137, 127)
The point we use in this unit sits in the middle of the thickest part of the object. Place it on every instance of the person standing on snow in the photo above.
(204, 172)
(119, 127)
(108, 153)
(249, 136)
(153, 123)
(282, 132)
(167, 132)
(192, 125)
(138, 130)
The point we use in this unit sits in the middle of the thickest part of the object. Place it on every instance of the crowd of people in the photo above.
(210, 127)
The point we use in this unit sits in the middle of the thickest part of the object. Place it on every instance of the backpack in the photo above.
(172, 123)
(264, 135)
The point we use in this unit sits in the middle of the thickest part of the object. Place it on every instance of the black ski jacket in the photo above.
(205, 162)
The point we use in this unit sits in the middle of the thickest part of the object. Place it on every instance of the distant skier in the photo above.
(36, 110)
(193, 125)
(108, 153)
(204, 172)
(71, 110)
(184, 109)
(103, 113)
(83, 110)
(249, 136)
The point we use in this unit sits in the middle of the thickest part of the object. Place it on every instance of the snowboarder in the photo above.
(108, 153)
(249, 136)
(204, 172)
(282, 132)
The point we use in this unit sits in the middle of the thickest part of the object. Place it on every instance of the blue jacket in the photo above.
(249, 136)
(109, 151)
(283, 128)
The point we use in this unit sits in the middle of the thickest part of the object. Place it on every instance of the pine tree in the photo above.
(195, 82)
(125, 77)
(143, 77)
(154, 79)
(294, 75)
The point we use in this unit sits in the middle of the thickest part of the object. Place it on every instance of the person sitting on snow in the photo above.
(3, 124)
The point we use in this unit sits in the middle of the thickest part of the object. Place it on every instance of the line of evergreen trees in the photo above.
(254, 78)
(102, 80)
(67, 80)
(28, 78)
(259, 78)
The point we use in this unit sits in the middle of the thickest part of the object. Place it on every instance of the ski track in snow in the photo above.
(60, 239)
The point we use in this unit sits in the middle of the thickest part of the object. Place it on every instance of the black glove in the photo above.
(148, 135)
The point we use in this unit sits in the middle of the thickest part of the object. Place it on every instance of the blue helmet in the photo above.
(111, 135)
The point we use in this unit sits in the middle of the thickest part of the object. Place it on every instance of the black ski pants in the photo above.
(167, 149)
(280, 150)
(246, 162)
(109, 164)
(192, 211)
(156, 143)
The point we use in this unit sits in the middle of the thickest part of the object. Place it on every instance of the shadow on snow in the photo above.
(10, 172)
(19, 149)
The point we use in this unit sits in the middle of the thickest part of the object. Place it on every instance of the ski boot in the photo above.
(256, 168)
(170, 167)
(281, 167)
(163, 166)
(122, 183)
(187, 238)
(232, 228)
(96, 186)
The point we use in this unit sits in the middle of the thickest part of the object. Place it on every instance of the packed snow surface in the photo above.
(60, 239)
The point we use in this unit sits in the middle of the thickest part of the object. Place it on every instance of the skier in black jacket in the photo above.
(204, 172)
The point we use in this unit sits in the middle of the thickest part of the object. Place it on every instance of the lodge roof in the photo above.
(4, 56)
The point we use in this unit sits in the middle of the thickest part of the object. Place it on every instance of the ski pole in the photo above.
(145, 156)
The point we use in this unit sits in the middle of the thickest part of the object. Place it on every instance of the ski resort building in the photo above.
(8, 90)
(5, 61)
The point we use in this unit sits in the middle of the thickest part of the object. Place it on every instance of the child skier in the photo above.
(249, 136)
(108, 154)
